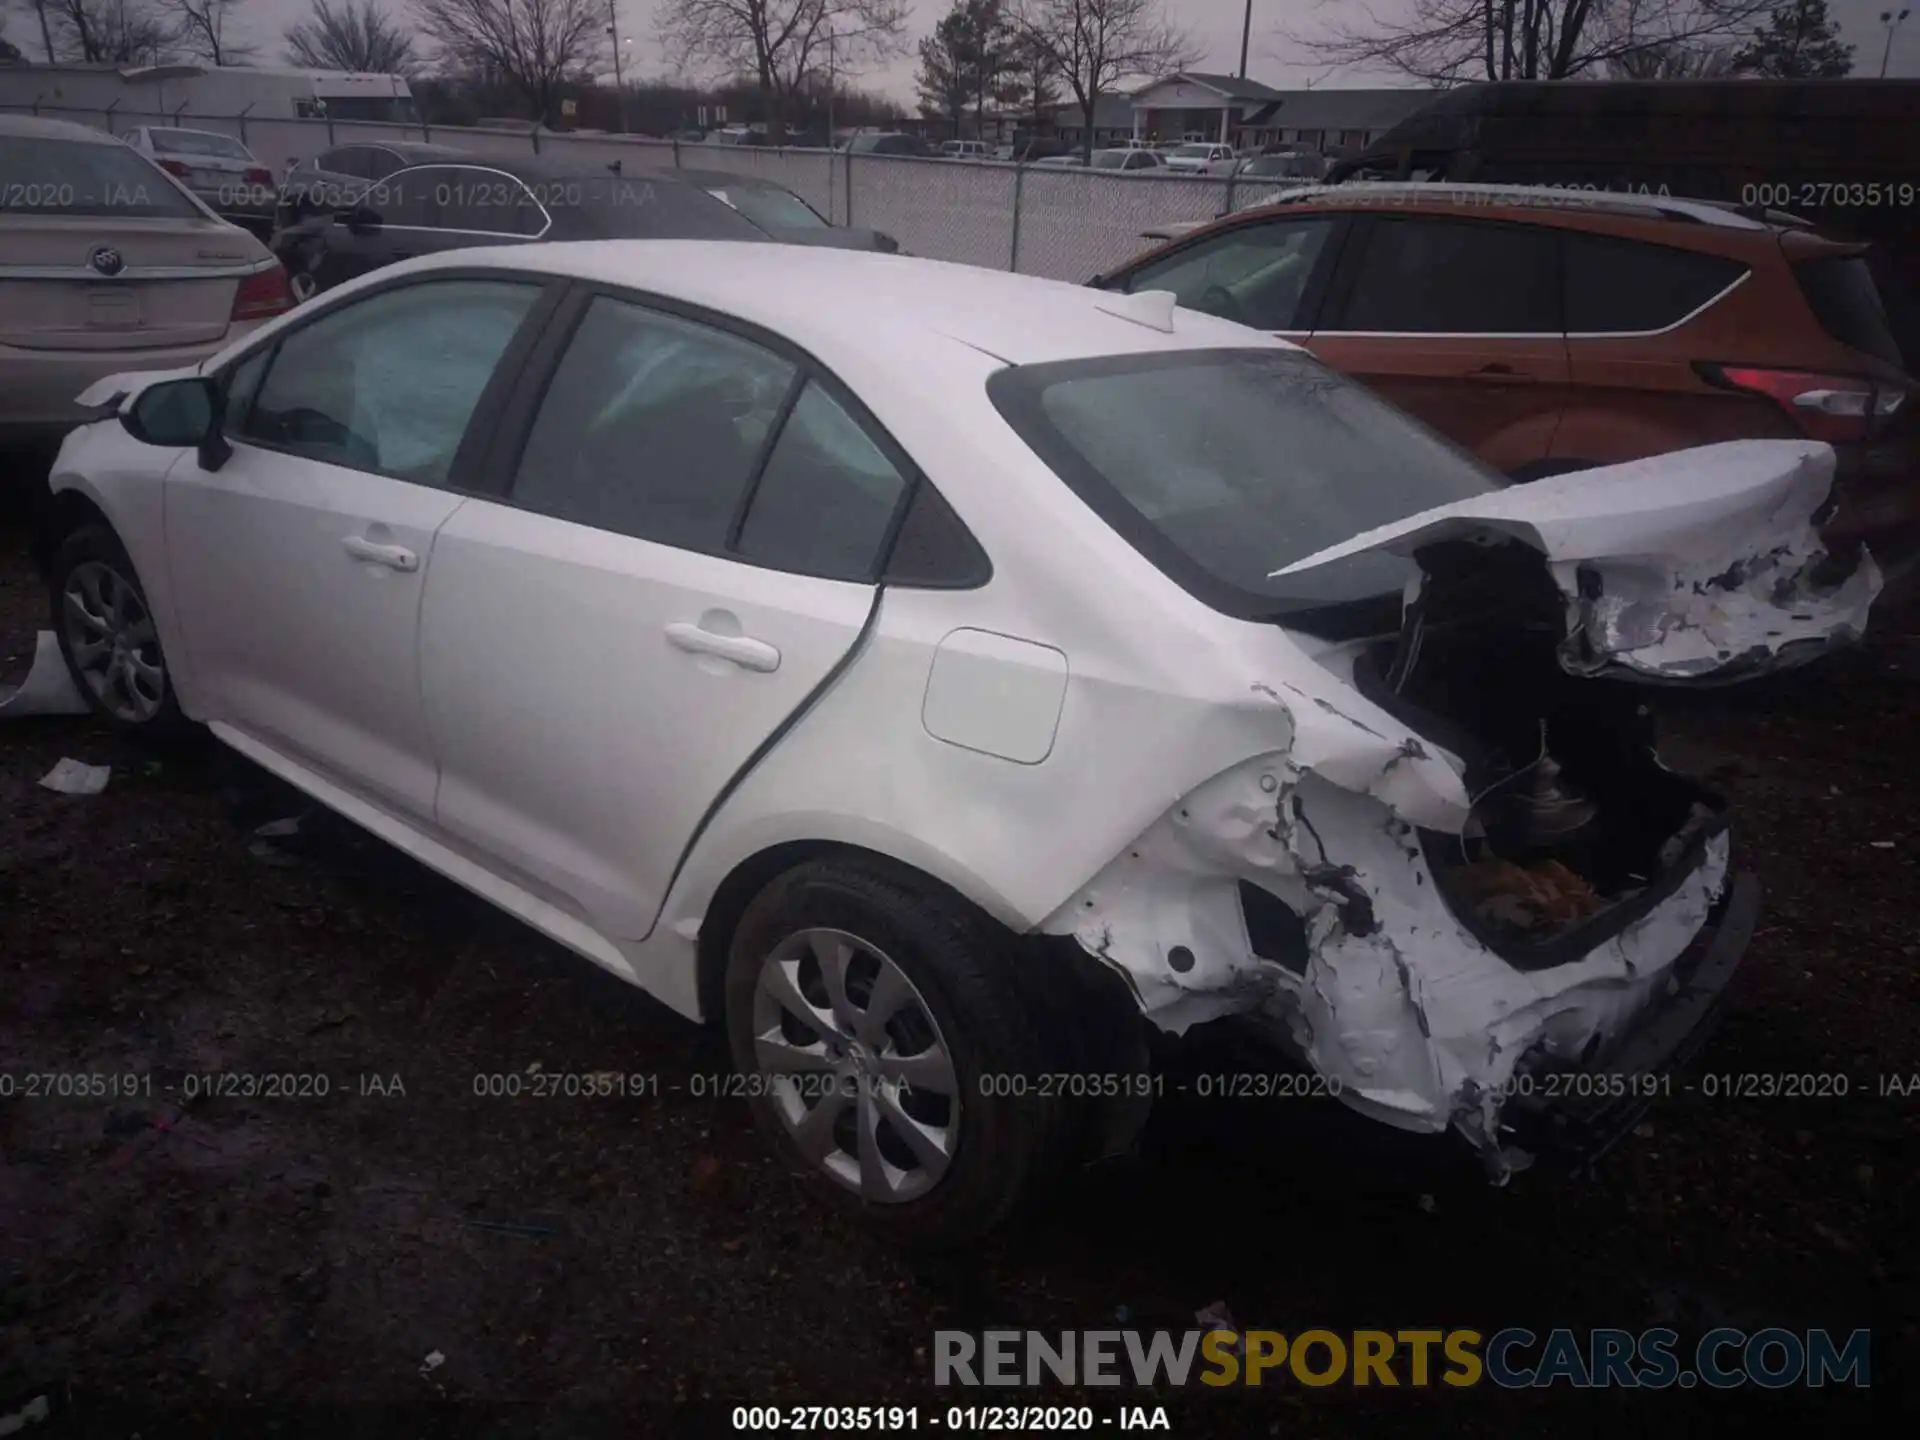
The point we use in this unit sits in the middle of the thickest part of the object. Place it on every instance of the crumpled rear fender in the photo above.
(1407, 1015)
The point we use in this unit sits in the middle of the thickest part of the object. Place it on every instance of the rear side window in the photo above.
(354, 160)
(1455, 277)
(1617, 287)
(827, 497)
(1844, 299)
(652, 427)
(486, 202)
(74, 177)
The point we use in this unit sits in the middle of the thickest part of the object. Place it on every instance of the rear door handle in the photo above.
(1499, 375)
(394, 557)
(742, 650)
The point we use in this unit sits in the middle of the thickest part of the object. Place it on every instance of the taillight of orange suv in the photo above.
(1839, 409)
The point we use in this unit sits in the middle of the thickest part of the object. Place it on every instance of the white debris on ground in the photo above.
(48, 688)
(76, 777)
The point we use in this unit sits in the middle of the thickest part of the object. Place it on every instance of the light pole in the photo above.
(619, 74)
(1892, 21)
(1246, 33)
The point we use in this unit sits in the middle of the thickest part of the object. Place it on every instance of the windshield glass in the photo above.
(1197, 150)
(1224, 465)
(1110, 159)
(74, 177)
(198, 142)
(770, 207)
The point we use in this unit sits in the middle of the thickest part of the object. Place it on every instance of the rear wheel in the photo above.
(887, 1052)
(107, 633)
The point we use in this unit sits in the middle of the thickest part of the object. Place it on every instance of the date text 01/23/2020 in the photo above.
(955, 1419)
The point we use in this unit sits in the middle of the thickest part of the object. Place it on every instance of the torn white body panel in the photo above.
(1417, 1022)
(1679, 567)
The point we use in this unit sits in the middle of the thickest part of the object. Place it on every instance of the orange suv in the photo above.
(1555, 330)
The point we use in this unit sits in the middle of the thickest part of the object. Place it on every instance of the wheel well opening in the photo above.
(63, 514)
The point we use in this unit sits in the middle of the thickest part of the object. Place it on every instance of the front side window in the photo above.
(80, 178)
(390, 383)
(652, 427)
(1253, 274)
(1225, 465)
(1455, 277)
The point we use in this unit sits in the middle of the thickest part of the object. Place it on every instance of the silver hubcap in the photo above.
(303, 287)
(113, 643)
(860, 1073)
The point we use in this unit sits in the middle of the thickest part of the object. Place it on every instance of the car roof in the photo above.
(1531, 198)
(846, 305)
(416, 151)
(36, 127)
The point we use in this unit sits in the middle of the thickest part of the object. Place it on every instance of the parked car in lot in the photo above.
(780, 214)
(1550, 331)
(1194, 156)
(108, 263)
(965, 150)
(222, 172)
(453, 205)
(747, 624)
(1059, 160)
(1282, 165)
(888, 142)
(1127, 157)
(333, 180)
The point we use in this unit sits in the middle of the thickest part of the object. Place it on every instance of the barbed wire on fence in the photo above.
(1060, 222)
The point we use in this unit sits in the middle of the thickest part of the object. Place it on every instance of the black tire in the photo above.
(81, 557)
(1008, 1145)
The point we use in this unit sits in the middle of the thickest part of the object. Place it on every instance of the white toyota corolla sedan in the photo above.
(945, 677)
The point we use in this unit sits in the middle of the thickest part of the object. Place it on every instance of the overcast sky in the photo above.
(1214, 25)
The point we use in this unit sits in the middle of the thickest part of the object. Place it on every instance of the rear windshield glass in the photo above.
(198, 142)
(73, 177)
(1222, 466)
(770, 207)
(1846, 302)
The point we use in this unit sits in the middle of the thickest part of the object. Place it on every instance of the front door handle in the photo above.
(394, 557)
(742, 650)
(1499, 375)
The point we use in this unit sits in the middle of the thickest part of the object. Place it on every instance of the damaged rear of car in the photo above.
(1464, 889)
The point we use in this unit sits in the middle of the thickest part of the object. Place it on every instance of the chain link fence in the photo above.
(1062, 222)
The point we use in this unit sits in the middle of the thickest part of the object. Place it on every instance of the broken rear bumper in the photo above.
(1574, 1116)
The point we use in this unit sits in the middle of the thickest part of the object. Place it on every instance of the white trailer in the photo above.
(139, 94)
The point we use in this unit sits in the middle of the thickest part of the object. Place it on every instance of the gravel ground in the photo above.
(639, 1265)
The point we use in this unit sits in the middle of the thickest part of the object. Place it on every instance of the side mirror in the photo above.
(181, 413)
(359, 220)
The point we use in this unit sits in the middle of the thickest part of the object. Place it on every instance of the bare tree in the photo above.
(350, 35)
(1093, 45)
(536, 46)
(780, 43)
(1664, 60)
(111, 32)
(200, 30)
(1452, 41)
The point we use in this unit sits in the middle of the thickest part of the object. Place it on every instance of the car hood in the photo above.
(1700, 566)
